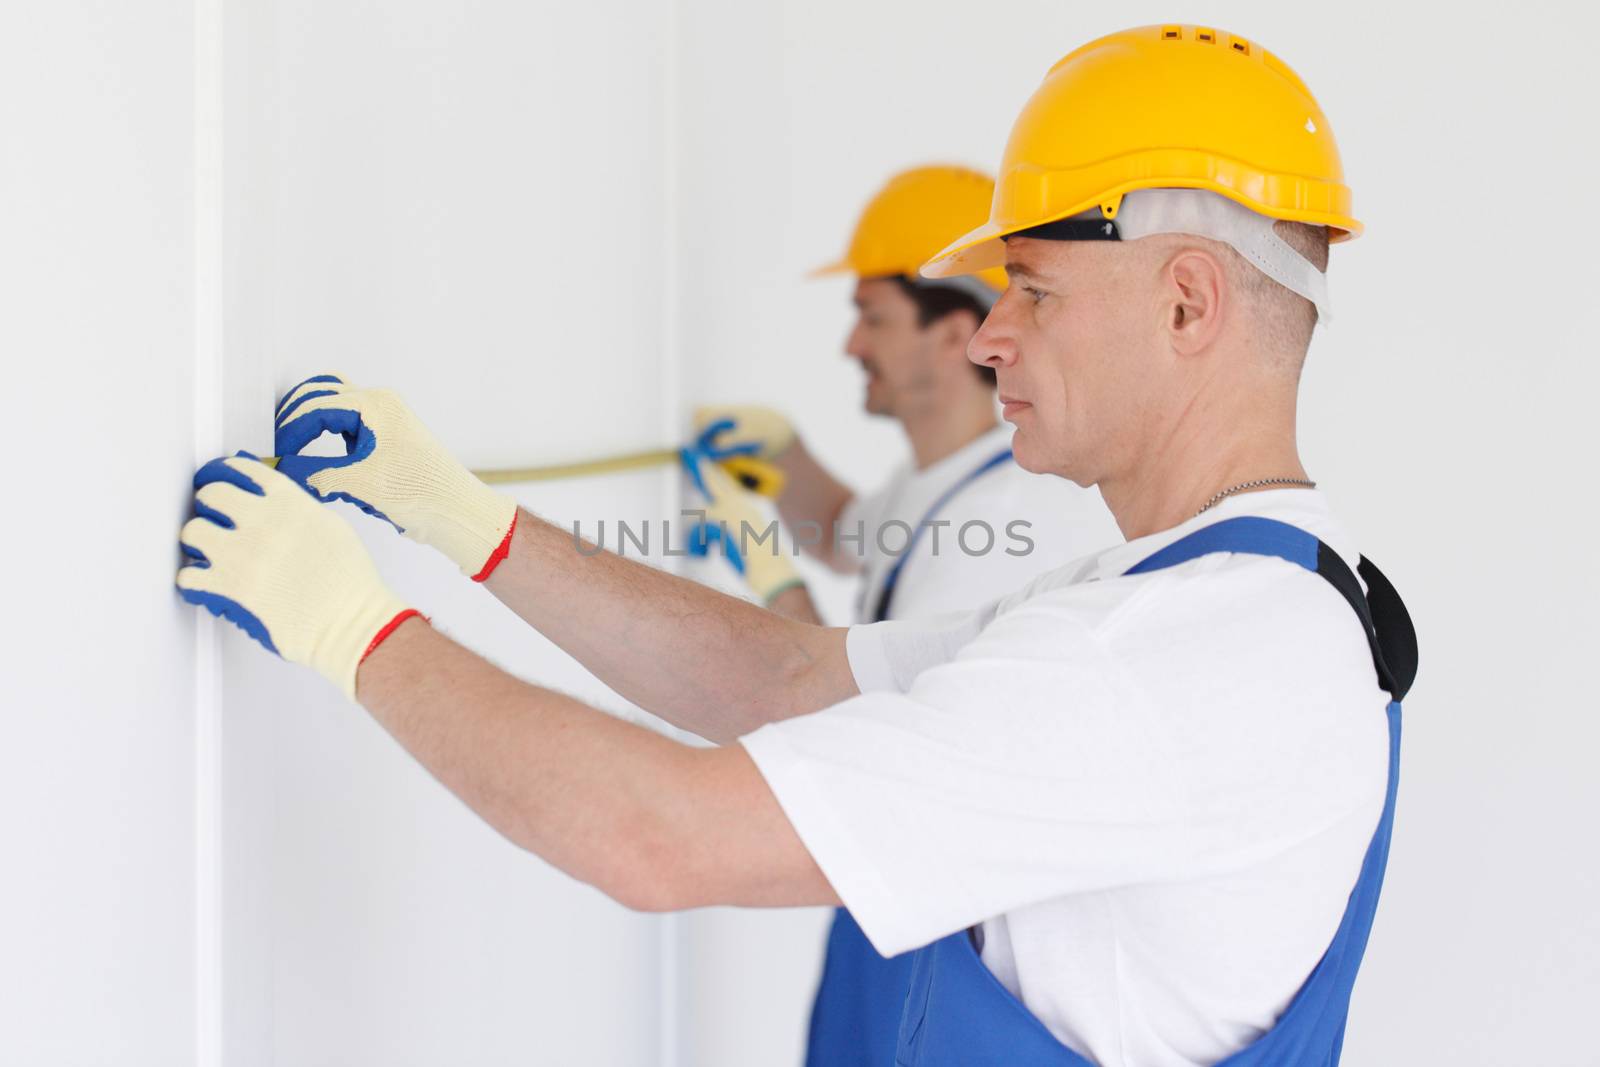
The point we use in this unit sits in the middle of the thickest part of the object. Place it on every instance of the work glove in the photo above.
(395, 469)
(740, 459)
(730, 509)
(288, 572)
(751, 430)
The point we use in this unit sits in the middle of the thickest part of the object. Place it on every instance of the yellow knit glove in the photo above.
(393, 469)
(735, 522)
(763, 427)
(285, 570)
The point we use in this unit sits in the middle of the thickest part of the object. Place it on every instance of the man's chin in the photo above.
(1026, 455)
(875, 403)
(1029, 454)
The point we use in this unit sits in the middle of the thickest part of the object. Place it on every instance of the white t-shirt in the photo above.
(1153, 792)
(999, 531)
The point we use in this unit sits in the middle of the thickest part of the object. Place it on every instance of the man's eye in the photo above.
(1036, 294)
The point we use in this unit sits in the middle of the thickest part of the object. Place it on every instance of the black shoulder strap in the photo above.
(1383, 615)
(1390, 635)
(1396, 635)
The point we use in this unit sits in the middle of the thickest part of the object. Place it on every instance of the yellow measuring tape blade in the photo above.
(656, 457)
(756, 475)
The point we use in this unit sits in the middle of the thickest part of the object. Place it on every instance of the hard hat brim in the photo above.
(829, 270)
(984, 248)
(981, 249)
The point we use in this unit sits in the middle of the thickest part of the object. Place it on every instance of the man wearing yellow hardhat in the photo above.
(1137, 813)
(905, 540)
(956, 527)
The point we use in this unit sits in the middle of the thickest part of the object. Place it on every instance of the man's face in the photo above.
(900, 357)
(1073, 344)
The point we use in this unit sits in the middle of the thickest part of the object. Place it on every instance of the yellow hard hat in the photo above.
(1174, 106)
(911, 218)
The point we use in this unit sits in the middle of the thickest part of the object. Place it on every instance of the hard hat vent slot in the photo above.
(1206, 36)
(1242, 47)
(1171, 33)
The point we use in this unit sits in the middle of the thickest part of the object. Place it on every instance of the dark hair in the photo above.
(934, 302)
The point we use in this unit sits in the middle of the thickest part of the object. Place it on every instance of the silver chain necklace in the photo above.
(1257, 484)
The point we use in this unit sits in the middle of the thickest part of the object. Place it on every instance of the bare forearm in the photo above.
(795, 603)
(523, 759)
(812, 500)
(704, 661)
(655, 824)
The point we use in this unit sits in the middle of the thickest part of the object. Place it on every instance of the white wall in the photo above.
(97, 790)
(211, 858)
(462, 204)
(556, 228)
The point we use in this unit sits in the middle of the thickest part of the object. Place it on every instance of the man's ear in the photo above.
(1197, 299)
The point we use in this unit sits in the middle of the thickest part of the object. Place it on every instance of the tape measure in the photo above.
(756, 475)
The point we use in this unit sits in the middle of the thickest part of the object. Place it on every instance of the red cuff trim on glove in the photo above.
(388, 628)
(498, 555)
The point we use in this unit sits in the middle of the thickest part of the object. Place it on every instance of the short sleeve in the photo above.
(888, 656)
(1020, 768)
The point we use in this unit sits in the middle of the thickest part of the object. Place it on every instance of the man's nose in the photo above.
(855, 345)
(995, 343)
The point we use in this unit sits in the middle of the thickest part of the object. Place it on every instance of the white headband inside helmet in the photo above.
(1147, 212)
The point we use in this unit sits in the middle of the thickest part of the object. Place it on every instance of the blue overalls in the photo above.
(855, 1018)
(957, 1013)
